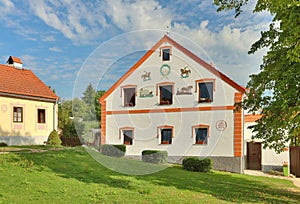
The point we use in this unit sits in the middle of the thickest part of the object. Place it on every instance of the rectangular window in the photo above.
(128, 136)
(166, 136)
(129, 96)
(166, 95)
(18, 115)
(41, 116)
(166, 54)
(201, 135)
(206, 92)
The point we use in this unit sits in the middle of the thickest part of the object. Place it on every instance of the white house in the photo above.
(173, 100)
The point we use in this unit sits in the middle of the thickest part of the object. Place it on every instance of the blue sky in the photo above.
(60, 40)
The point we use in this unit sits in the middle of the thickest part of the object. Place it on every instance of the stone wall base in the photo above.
(230, 164)
(23, 140)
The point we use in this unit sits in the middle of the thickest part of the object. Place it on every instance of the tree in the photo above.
(275, 91)
(67, 122)
(88, 98)
(99, 94)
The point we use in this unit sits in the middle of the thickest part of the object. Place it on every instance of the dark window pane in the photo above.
(129, 97)
(41, 116)
(166, 54)
(127, 137)
(166, 95)
(166, 136)
(201, 135)
(206, 92)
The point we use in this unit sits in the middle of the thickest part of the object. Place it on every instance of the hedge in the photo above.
(155, 156)
(197, 164)
(112, 150)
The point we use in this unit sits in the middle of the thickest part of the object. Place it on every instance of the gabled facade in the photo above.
(28, 107)
(172, 100)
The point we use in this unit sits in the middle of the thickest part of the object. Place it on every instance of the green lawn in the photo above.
(71, 175)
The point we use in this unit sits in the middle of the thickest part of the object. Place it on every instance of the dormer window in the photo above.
(166, 53)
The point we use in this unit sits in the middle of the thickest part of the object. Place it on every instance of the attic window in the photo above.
(166, 53)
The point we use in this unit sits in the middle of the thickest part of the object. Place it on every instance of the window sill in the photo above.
(205, 101)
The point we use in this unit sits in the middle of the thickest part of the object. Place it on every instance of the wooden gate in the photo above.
(295, 161)
(254, 155)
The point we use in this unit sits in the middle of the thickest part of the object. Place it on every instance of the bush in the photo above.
(3, 144)
(113, 150)
(196, 164)
(53, 138)
(154, 156)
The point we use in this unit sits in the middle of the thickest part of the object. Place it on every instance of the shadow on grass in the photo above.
(77, 164)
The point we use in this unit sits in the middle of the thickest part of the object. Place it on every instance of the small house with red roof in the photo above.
(28, 107)
(172, 100)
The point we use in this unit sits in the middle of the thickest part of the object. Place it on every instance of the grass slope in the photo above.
(71, 176)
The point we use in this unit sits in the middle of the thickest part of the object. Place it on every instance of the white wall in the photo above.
(269, 157)
(220, 143)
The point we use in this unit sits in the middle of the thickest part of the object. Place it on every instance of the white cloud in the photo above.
(55, 49)
(76, 20)
(135, 15)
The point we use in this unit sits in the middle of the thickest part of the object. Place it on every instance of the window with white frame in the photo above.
(200, 134)
(165, 94)
(166, 134)
(166, 54)
(18, 114)
(128, 136)
(129, 96)
(205, 89)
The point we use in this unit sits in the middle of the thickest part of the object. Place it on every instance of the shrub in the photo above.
(3, 144)
(113, 150)
(53, 138)
(197, 164)
(154, 156)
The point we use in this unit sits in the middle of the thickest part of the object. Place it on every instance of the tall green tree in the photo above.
(275, 91)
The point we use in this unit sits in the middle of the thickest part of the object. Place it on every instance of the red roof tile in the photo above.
(23, 82)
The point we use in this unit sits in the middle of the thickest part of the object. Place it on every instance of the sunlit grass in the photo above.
(71, 175)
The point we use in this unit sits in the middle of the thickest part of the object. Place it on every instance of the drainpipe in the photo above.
(243, 153)
(54, 114)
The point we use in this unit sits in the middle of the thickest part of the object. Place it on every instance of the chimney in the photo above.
(15, 62)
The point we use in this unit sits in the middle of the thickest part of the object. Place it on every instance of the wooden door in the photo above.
(254, 155)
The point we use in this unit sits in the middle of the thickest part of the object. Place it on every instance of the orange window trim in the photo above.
(165, 84)
(204, 81)
(165, 127)
(125, 128)
(165, 47)
(200, 126)
(128, 87)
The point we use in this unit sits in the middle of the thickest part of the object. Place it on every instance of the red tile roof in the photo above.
(23, 82)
